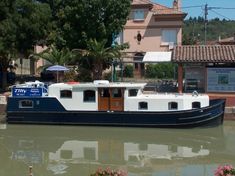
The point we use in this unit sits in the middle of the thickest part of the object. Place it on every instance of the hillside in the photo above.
(193, 30)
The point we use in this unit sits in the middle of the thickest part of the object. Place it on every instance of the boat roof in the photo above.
(99, 85)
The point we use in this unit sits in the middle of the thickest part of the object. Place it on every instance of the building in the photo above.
(208, 69)
(227, 41)
(151, 27)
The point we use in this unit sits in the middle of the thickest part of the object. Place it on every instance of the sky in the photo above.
(228, 14)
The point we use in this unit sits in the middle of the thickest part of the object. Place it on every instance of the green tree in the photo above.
(193, 30)
(98, 57)
(23, 24)
(78, 21)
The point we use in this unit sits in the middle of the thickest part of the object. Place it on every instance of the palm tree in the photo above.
(56, 56)
(98, 56)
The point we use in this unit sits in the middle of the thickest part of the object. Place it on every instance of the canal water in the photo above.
(79, 150)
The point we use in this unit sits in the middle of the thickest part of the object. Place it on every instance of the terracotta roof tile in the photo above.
(204, 53)
(157, 8)
(160, 9)
(141, 2)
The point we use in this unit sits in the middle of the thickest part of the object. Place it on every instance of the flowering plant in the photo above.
(109, 172)
(226, 170)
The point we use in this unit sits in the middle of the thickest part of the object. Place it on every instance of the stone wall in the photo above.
(3, 103)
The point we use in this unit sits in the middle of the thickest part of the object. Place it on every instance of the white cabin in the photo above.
(104, 96)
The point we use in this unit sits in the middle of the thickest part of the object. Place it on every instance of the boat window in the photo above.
(116, 93)
(196, 104)
(65, 94)
(89, 96)
(26, 104)
(143, 105)
(132, 92)
(104, 92)
(172, 105)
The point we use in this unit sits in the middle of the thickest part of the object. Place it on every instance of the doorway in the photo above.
(111, 99)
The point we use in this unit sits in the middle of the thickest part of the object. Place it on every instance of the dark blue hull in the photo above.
(50, 111)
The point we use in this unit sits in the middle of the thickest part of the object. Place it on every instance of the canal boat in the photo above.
(107, 103)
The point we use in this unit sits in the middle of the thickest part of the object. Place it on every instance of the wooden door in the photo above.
(111, 99)
(116, 99)
(103, 99)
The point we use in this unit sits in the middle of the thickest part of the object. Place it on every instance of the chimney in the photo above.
(177, 4)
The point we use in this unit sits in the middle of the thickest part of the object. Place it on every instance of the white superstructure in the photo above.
(104, 96)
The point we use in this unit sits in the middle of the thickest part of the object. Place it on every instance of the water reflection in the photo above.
(76, 150)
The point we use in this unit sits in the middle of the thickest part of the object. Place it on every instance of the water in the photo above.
(79, 151)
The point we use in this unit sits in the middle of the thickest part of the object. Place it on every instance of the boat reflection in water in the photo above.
(70, 150)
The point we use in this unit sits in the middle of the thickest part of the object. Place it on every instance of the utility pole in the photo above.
(205, 23)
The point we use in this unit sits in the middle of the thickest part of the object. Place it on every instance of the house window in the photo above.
(132, 92)
(143, 106)
(172, 105)
(89, 96)
(65, 94)
(169, 36)
(26, 104)
(196, 105)
(138, 15)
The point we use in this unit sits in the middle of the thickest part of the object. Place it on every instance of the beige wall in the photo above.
(40, 62)
(151, 32)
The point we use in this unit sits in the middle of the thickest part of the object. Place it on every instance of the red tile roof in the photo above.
(163, 10)
(157, 8)
(204, 53)
(141, 2)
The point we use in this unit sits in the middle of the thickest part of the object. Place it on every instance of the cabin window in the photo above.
(104, 92)
(65, 94)
(116, 93)
(196, 105)
(26, 104)
(172, 105)
(143, 105)
(132, 92)
(89, 96)
(89, 153)
(66, 154)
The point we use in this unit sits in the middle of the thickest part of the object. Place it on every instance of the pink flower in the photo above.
(109, 172)
(226, 170)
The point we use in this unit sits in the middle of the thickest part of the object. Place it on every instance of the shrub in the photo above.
(150, 71)
(161, 70)
(128, 71)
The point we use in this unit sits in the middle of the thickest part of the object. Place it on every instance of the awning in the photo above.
(156, 57)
